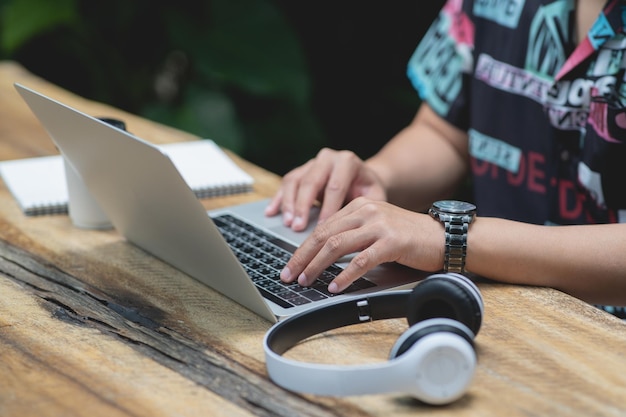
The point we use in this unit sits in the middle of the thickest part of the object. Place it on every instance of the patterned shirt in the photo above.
(545, 117)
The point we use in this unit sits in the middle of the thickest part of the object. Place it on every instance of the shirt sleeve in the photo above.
(440, 67)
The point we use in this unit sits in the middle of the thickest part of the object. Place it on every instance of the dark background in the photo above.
(273, 80)
(358, 54)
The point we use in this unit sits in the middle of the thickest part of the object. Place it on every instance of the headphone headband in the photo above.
(287, 333)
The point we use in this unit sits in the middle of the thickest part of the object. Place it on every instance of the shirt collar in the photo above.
(609, 23)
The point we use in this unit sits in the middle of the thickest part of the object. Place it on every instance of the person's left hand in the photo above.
(379, 231)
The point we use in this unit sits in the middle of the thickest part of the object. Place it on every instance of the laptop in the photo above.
(150, 204)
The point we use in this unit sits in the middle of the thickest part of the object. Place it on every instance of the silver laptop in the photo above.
(150, 204)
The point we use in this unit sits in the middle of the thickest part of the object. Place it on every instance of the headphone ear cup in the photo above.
(418, 331)
(448, 295)
(442, 351)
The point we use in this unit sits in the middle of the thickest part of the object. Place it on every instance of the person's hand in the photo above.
(379, 231)
(333, 178)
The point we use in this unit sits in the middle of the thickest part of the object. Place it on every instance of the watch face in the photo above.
(454, 206)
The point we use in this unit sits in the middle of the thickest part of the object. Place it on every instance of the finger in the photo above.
(309, 249)
(273, 207)
(364, 261)
(289, 190)
(299, 260)
(311, 186)
(335, 246)
(339, 182)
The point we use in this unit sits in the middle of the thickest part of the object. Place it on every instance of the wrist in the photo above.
(381, 172)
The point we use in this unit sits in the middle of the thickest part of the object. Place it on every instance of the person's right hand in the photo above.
(333, 178)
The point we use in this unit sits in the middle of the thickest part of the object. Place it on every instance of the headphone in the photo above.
(434, 360)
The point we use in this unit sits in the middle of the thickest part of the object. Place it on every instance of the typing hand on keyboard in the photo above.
(263, 256)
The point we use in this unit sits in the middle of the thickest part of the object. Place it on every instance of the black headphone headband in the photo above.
(288, 333)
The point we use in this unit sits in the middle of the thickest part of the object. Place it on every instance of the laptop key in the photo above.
(313, 295)
(298, 301)
(277, 300)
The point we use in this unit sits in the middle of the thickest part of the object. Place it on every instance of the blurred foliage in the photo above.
(241, 72)
(229, 70)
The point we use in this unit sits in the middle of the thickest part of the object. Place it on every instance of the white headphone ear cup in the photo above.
(408, 339)
(416, 332)
(444, 359)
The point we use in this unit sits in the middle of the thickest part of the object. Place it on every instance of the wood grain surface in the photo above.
(91, 325)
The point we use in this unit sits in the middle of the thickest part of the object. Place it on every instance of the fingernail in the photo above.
(287, 218)
(285, 274)
(302, 280)
(298, 223)
(332, 287)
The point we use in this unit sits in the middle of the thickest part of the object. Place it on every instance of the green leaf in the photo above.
(23, 19)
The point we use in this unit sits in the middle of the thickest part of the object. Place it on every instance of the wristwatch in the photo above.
(456, 217)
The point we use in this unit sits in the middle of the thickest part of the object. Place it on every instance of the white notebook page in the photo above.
(38, 184)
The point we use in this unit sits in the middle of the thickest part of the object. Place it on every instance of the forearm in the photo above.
(587, 262)
(424, 162)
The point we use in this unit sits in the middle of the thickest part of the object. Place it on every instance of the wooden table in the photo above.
(91, 325)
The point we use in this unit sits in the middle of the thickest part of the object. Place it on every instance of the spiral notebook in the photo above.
(38, 184)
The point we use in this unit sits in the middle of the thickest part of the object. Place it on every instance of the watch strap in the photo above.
(456, 228)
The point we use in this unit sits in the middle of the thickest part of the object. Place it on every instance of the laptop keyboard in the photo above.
(263, 256)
